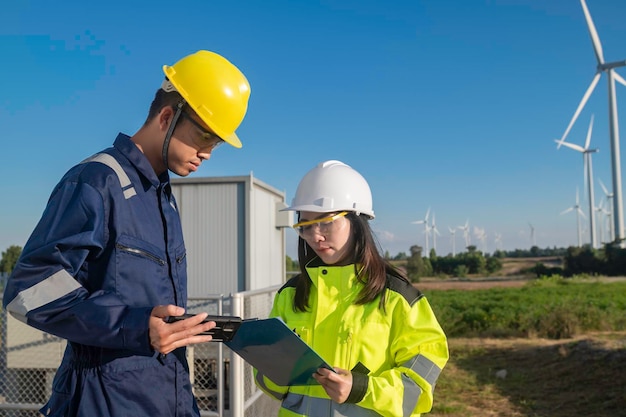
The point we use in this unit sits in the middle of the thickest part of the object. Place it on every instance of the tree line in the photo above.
(610, 260)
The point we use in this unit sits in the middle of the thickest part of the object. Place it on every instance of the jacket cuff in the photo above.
(136, 330)
(359, 388)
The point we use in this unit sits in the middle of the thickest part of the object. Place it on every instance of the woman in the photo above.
(355, 309)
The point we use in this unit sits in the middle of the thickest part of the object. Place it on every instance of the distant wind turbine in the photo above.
(481, 236)
(466, 233)
(600, 227)
(498, 241)
(453, 240)
(424, 221)
(433, 228)
(579, 213)
(588, 179)
(608, 210)
(532, 235)
(609, 68)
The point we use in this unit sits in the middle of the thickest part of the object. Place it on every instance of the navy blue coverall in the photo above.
(108, 248)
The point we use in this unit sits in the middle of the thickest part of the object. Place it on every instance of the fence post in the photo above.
(237, 400)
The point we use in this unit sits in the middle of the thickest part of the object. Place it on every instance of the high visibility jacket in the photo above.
(395, 357)
(108, 248)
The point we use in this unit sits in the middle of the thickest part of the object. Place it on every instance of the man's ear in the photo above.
(165, 117)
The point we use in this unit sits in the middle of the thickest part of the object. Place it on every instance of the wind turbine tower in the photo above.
(588, 175)
(612, 75)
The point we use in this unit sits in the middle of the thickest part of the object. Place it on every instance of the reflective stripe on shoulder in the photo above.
(52, 288)
(108, 160)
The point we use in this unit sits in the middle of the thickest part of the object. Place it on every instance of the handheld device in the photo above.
(225, 329)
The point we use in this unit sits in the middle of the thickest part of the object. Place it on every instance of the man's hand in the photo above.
(165, 337)
(337, 385)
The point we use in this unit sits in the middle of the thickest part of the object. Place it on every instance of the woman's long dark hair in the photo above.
(371, 268)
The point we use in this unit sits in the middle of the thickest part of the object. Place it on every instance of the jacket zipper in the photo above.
(140, 253)
(349, 347)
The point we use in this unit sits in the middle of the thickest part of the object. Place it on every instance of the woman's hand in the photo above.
(337, 385)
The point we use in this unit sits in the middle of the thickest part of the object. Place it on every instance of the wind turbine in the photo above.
(498, 240)
(579, 213)
(609, 210)
(453, 239)
(609, 68)
(433, 227)
(466, 233)
(481, 236)
(588, 178)
(425, 223)
(532, 235)
(601, 228)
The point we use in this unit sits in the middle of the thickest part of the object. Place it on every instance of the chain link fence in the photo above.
(222, 382)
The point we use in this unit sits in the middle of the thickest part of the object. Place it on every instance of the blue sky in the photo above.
(451, 105)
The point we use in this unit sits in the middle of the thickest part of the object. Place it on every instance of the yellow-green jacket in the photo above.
(395, 357)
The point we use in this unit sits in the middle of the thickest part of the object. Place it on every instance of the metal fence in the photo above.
(222, 382)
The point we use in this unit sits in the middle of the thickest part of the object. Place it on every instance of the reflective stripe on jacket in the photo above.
(398, 354)
(108, 248)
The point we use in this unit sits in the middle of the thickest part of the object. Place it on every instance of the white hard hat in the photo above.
(333, 186)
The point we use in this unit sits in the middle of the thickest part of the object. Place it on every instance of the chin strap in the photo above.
(170, 130)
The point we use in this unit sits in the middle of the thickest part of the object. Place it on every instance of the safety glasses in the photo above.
(207, 139)
(324, 226)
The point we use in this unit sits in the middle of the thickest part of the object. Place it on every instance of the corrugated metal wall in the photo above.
(268, 241)
(230, 231)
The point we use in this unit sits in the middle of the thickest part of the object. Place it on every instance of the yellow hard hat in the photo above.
(215, 89)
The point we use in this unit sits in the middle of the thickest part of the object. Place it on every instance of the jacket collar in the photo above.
(129, 149)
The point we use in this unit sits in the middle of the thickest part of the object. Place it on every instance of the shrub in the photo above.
(551, 307)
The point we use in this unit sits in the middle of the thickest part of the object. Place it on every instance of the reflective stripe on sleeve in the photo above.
(323, 407)
(52, 288)
(263, 386)
(424, 367)
(108, 160)
(411, 395)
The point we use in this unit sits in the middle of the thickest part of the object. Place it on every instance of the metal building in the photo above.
(235, 239)
(234, 233)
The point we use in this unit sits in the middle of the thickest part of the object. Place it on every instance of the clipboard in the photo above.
(277, 352)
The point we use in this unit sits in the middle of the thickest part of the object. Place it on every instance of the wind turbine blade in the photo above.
(582, 103)
(597, 46)
(567, 210)
(427, 213)
(581, 212)
(588, 140)
(606, 192)
(619, 78)
(571, 146)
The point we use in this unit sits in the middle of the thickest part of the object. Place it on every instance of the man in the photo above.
(106, 263)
